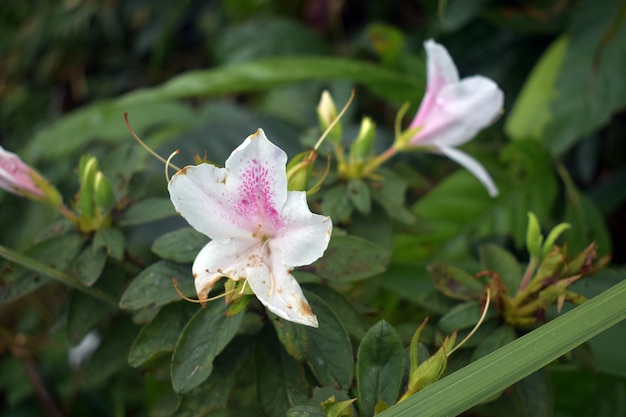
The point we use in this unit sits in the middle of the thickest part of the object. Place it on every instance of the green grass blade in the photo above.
(488, 375)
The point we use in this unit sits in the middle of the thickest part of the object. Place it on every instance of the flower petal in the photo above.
(257, 182)
(279, 291)
(459, 111)
(441, 72)
(473, 166)
(200, 196)
(222, 259)
(305, 236)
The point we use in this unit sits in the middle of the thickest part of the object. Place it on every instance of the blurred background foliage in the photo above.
(200, 75)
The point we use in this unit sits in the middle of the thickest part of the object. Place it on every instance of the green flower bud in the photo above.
(103, 192)
(362, 147)
(327, 113)
(534, 238)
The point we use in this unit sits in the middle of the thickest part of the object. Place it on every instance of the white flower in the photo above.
(453, 111)
(259, 230)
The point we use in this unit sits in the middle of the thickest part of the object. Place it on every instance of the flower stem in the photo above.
(379, 160)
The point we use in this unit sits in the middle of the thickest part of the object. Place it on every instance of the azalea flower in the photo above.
(259, 230)
(18, 178)
(453, 111)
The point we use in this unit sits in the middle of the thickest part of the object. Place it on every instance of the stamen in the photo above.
(167, 164)
(482, 318)
(191, 300)
(339, 116)
(146, 147)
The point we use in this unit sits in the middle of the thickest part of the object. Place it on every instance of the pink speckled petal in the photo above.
(279, 291)
(257, 182)
(459, 112)
(473, 166)
(223, 259)
(305, 236)
(200, 196)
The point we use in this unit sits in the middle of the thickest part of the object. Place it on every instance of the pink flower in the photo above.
(259, 230)
(18, 178)
(453, 111)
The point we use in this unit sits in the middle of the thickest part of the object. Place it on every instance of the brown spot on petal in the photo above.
(183, 171)
(195, 275)
(305, 308)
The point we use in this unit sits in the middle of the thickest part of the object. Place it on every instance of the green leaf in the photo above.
(279, 378)
(455, 283)
(589, 88)
(330, 350)
(463, 315)
(531, 111)
(161, 334)
(150, 107)
(496, 339)
(146, 211)
(107, 360)
(84, 313)
(214, 393)
(351, 319)
(181, 245)
(379, 367)
(484, 378)
(47, 259)
(293, 337)
(204, 337)
(389, 193)
(588, 225)
(113, 240)
(90, 264)
(350, 258)
(359, 194)
(336, 203)
(306, 411)
(494, 258)
(153, 286)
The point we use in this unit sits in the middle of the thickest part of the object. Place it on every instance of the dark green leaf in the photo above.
(496, 339)
(330, 351)
(89, 264)
(146, 211)
(57, 252)
(149, 107)
(389, 193)
(161, 334)
(83, 315)
(494, 258)
(379, 367)
(587, 225)
(204, 337)
(306, 411)
(280, 378)
(359, 194)
(350, 258)
(343, 309)
(113, 240)
(213, 394)
(181, 245)
(455, 283)
(107, 360)
(153, 286)
(293, 337)
(463, 316)
(336, 203)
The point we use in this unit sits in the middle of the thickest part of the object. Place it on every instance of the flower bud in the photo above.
(299, 171)
(18, 178)
(327, 113)
(103, 192)
(534, 238)
(362, 146)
